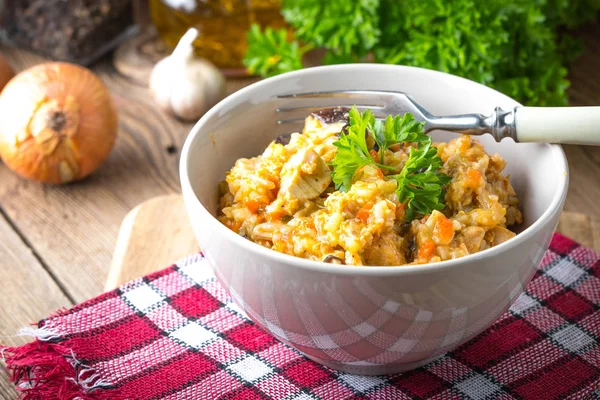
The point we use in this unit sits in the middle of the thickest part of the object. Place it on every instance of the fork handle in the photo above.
(568, 125)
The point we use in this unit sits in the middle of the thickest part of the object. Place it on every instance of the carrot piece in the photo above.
(401, 212)
(374, 154)
(426, 251)
(253, 206)
(363, 213)
(275, 216)
(443, 231)
(233, 225)
(473, 178)
(274, 192)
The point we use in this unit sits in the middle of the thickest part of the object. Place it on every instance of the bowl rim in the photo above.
(376, 271)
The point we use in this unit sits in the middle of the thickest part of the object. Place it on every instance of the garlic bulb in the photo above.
(184, 84)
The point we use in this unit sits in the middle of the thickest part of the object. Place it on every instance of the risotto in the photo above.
(287, 198)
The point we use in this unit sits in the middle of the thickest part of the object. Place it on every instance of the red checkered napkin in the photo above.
(176, 334)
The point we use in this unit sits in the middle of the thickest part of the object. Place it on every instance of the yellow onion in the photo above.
(58, 123)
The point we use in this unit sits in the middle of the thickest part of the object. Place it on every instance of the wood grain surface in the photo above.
(58, 241)
(580, 227)
(153, 235)
(28, 293)
(20, 269)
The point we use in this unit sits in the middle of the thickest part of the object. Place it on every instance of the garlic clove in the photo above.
(190, 101)
(185, 85)
(161, 83)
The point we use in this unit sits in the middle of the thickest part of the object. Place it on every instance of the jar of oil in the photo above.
(222, 24)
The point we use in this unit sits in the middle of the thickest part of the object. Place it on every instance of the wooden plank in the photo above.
(581, 228)
(7, 389)
(152, 235)
(584, 180)
(28, 294)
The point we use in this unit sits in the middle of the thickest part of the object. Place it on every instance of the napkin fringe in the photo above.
(45, 369)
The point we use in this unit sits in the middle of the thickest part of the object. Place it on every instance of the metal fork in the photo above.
(574, 125)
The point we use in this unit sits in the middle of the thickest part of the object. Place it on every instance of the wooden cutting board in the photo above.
(158, 232)
(153, 235)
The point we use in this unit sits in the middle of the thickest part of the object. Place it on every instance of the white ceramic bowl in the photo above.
(368, 320)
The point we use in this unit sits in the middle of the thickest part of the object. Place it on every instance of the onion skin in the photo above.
(58, 123)
(6, 72)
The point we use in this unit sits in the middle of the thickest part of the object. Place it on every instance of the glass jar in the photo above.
(222, 24)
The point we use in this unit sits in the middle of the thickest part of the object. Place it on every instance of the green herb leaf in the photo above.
(511, 45)
(344, 26)
(397, 129)
(270, 53)
(352, 153)
(420, 183)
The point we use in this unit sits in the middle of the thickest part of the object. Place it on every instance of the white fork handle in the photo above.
(569, 125)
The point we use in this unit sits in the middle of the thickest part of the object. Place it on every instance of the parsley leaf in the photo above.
(344, 27)
(420, 183)
(352, 153)
(459, 37)
(270, 53)
(397, 129)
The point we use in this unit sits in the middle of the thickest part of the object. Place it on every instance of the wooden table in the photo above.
(56, 242)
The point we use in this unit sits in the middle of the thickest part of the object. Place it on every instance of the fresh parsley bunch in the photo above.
(420, 183)
(511, 45)
(272, 53)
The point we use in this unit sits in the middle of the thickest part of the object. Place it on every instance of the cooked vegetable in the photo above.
(511, 45)
(420, 182)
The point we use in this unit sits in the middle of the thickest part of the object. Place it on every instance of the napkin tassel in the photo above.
(45, 369)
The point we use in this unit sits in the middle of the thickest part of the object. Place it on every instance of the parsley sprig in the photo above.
(519, 47)
(353, 152)
(270, 53)
(398, 129)
(420, 182)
